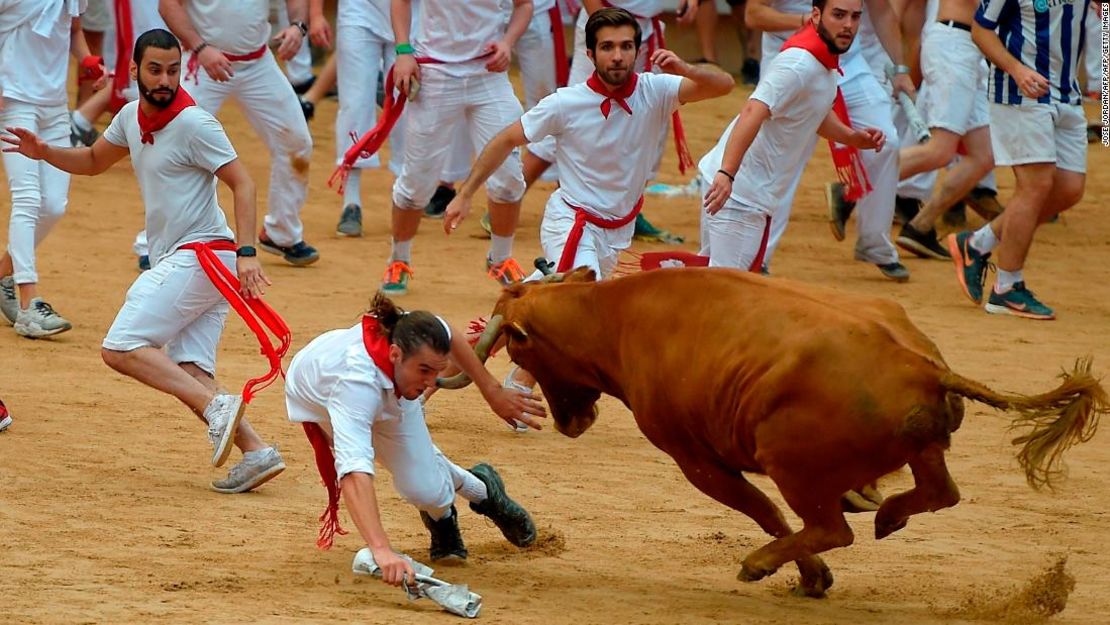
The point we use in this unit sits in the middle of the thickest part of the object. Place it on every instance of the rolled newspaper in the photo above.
(454, 598)
(918, 128)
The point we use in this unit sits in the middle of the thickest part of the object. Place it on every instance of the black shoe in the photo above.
(895, 271)
(509, 516)
(350, 221)
(956, 217)
(749, 72)
(984, 202)
(905, 209)
(299, 254)
(302, 87)
(840, 209)
(447, 540)
(144, 263)
(438, 204)
(308, 108)
(923, 244)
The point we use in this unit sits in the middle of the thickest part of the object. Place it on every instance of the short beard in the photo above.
(607, 77)
(830, 41)
(148, 95)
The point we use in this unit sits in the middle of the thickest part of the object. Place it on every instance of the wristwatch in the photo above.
(300, 26)
(246, 251)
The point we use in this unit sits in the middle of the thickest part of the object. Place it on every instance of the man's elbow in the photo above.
(723, 85)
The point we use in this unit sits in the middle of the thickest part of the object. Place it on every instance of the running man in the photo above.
(166, 334)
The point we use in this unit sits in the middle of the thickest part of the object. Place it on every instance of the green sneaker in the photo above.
(509, 516)
(396, 279)
(645, 231)
(487, 229)
(971, 266)
(1020, 302)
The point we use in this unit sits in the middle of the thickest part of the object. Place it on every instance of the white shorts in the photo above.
(173, 305)
(953, 95)
(1022, 134)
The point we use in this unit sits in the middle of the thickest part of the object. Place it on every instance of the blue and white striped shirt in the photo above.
(1047, 36)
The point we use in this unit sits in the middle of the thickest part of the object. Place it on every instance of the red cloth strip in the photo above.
(254, 312)
(847, 159)
(658, 42)
(558, 36)
(125, 41)
(757, 262)
(581, 218)
(193, 66)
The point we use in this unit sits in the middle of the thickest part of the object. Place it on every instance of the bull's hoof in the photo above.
(885, 527)
(750, 573)
(815, 585)
(853, 501)
(801, 590)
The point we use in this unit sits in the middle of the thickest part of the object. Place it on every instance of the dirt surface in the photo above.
(106, 515)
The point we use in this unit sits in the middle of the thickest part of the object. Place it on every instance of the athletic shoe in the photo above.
(438, 204)
(956, 217)
(1020, 302)
(905, 209)
(645, 231)
(5, 417)
(79, 138)
(302, 87)
(971, 266)
(447, 540)
(487, 228)
(223, 414)
(299, 254)
(255, 469)
(510, 383)
(39, 321)
(984, 202)
(895, 271)
(839, 209)
(9, 300)
(923, 244)
(509, 516)
(144, 263)
(396, 279)
(308, 108)
(749, 72)
(350, 221)
(506, 272)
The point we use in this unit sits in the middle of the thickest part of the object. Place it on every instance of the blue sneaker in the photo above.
(971, 266)
(1020, 302)
(299, 254)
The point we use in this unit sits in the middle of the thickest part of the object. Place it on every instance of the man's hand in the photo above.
(687, 12)
(252, 282)
(1032, 84)
(500, 57)
(289, 42)
(395, 569)
(868, 139)
(669, 62)
(457, 211)
(25, 142)
(902, 83)
(406, 71)
(319, 31)
(512, 406)
(215, 64)
(717, 194)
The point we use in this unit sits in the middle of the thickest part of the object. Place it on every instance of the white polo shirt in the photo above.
(604, 162)
(457, 33)
(373, 15)
(34, 50)
(800, 91)
(233, 26)
(176, 176)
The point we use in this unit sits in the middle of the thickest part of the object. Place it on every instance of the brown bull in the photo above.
(821, 391)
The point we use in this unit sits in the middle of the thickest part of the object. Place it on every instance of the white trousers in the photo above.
(39, 191)
(362, 58)
(483, 104)
(535, 54)
(734, 237)
(270, 105)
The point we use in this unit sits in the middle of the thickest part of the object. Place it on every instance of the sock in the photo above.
(402, 251)
(468, 485)
(80, 121)
(984, 240)
(500, 248)
(352, 190)
(1006, 280)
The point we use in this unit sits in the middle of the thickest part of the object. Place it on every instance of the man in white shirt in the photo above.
(35, 38)
(758, 160)
(358, 394)
(166, 334)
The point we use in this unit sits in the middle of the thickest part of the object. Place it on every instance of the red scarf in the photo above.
(377, 345)
(846, 159)
(152, 124)
(125, 39)
(619, 96)
(558, 37)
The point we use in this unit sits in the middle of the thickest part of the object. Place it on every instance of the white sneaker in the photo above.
(9, 301)
(5, 422)
(223, 414)
(39, 320)
(510, 382)
(256, 468)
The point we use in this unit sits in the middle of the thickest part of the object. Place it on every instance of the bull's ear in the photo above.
(515, 289)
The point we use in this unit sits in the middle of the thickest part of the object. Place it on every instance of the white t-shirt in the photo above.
(852, 63)
(34, 55)
(176, 176)
(640, 8)
(457, 33)
(233, 26)
(370, 14)
(604, 163)
(800, 92)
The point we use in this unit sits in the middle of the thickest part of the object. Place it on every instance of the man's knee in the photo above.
(507, 184)
(115, 359)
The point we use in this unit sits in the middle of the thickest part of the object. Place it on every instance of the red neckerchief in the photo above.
(810, 40)
(377, 346)
(152, 124)
(594, 82)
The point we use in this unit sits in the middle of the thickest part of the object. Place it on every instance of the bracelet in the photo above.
(196, 50)
(404, 48)
(301, 26)
(727, 175)
(901, 69)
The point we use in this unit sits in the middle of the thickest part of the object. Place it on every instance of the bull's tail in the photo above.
(1055, 420)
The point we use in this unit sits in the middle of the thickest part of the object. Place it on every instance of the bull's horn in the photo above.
(481, 350)
(520, 329)
(555, 277)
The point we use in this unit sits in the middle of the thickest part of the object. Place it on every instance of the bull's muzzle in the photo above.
(481, 349)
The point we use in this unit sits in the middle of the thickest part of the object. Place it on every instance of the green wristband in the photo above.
(404, 48)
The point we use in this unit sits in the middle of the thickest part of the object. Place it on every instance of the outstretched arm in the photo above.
(252, 281)
(508, 404)
(496, 151)
(362, 504)
(863, 138)
(81, 161)
(698, 83)
(739, 140)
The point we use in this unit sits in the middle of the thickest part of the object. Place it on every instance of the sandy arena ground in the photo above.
(106, 515)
